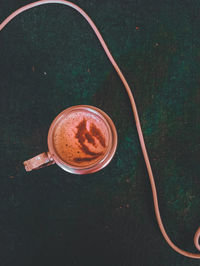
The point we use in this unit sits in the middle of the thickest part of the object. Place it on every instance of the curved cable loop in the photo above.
(135, 113)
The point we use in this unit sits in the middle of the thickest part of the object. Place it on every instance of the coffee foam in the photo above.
(81, 138)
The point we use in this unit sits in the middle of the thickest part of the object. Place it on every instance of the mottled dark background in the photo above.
(50, 59)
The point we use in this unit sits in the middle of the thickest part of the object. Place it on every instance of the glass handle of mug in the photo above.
(42, 160)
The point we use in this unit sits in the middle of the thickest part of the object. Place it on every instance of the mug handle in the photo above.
(42, 160)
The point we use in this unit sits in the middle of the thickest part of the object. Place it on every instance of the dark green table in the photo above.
(50, 59)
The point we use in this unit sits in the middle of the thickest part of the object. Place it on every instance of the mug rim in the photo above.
(97, 165)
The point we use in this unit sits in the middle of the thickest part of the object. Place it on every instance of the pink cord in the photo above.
(134, 108)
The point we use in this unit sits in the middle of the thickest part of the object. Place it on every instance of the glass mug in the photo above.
(81, 140)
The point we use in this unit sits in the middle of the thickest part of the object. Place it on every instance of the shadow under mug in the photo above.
(81, 140)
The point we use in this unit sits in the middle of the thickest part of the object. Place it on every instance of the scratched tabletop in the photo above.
(50, 59)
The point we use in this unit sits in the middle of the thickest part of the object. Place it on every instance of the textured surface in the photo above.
(50, 60)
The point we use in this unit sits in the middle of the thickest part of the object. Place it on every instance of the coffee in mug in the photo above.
(82, 139)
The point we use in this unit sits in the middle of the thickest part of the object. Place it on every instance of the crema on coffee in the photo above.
(81, 138)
